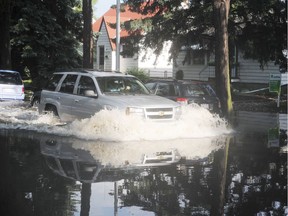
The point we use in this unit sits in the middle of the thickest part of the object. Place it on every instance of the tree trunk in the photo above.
(220, 165)
(85, 199)
(221, 12)
(5, 51)
(87, 35)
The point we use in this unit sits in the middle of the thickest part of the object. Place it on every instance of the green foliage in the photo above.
(179, 75)
(258, 28)
(261, 29)
(45, 36)
(139, 73)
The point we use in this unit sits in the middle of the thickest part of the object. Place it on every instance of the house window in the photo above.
(101, 57)
(198, 57)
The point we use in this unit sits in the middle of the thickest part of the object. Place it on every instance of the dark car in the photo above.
(186, 92)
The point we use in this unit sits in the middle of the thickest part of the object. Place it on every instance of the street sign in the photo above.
(275, 83)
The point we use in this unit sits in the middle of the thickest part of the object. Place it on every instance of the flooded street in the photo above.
(119, 165)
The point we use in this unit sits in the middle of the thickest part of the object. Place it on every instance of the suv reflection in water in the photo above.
(80, 165)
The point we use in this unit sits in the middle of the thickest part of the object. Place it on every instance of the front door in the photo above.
(85, 106)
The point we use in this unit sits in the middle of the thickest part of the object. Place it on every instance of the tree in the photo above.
(5, 56)
(221, 11)
(87, 34)
(260, 29)
(45, 37)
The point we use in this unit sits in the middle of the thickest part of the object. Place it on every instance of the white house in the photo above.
(199, 67)
(155, 66)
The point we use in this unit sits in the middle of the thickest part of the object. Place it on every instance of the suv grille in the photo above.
(159, 113)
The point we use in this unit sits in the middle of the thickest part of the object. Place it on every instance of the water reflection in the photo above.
(143, 172)
(241, 174)
(168, 184)
(260, 121)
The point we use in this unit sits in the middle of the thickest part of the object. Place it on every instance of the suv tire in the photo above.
(35, 102)
(52, 109)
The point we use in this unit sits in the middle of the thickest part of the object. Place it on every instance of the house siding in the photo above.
(128, 63)
(249, 70)
(193, 72)
(156, 66)
(261, 120)
(103, 40)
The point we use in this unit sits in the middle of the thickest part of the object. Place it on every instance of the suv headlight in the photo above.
(178, 112)
(134, 110)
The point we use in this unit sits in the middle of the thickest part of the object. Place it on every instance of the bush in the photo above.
(139, 73)
(179, 75)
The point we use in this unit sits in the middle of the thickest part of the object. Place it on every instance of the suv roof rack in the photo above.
(84, 70)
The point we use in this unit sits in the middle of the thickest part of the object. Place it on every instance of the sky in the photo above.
(102, 6)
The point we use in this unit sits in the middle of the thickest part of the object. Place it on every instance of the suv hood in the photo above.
(138, 101)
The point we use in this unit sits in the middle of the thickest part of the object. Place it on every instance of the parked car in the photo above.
(11, 85)
(186, 92)
(81, 94)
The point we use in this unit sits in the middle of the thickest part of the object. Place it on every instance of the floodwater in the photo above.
(112, 164)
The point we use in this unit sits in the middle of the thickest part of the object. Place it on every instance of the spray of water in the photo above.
(196, 122)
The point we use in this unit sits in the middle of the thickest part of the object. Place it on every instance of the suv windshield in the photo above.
(10, 78)
(123, 85)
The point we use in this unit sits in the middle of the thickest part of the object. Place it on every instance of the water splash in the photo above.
(196, 122)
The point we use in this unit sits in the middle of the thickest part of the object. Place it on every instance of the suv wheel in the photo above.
(52, 109)
(35, 102)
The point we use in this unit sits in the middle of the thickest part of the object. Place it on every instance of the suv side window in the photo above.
(85, 83)
(68, 84)
(54, 82)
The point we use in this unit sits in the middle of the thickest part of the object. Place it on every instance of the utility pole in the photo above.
(118, 36)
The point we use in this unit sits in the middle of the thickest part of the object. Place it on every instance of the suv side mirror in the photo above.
(90, 93)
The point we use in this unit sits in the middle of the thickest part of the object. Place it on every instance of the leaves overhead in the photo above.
(45, 35)
(183, 23)
(258, 28)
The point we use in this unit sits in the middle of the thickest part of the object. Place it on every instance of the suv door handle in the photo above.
(76, 101)
(58, 98)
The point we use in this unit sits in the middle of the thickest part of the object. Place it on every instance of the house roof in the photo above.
(109, 18)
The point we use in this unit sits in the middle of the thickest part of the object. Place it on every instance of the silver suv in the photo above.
(79, 95)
